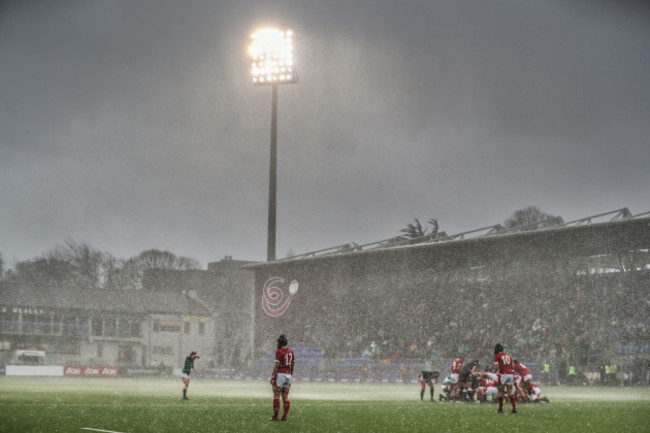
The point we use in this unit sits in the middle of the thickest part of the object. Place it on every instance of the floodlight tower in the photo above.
(272, 64)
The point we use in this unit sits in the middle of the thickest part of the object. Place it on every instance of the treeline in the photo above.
(529, 218)
(80, 265)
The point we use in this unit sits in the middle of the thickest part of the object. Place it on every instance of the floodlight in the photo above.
(272, 52)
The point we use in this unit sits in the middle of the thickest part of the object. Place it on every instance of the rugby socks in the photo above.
(276, 407)
(513, 402)
(184, 393)
(422, 394)
(431, 392)
(286, 405)
(500, 400)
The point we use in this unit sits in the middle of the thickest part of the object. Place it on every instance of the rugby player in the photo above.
(281, 378)
(455, 379)
(504, 365)
(188, 366)
(425, 378)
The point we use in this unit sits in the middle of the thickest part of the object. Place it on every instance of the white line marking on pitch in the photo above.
(95, 429)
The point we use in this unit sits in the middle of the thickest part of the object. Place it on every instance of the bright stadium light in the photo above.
(271, 53)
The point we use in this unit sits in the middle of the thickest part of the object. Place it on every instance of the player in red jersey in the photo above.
(522, 370)
(487, 386)
(281, 378)
(534, 391)
(522, 379)
(503, 362)
(455, 378)
(520, 393)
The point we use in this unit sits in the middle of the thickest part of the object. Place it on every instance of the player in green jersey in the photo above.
(188, 366)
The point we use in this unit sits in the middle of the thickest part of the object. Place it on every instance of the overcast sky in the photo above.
(134, 124)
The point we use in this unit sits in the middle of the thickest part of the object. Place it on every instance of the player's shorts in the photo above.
(506, 379)
(528, 378)
(535, 392)
(283, 381)
(454, 378)
(492, 390)
(185, 376)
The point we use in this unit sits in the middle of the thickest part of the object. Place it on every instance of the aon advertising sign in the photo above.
(91, 371)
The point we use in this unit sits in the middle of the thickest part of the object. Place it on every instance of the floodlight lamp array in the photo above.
(272, 57)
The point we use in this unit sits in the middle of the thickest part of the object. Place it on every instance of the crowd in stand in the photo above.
(562, 321)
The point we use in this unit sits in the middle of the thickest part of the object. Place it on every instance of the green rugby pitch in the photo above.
(67, 405)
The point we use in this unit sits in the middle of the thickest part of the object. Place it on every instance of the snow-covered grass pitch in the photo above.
(50, 405)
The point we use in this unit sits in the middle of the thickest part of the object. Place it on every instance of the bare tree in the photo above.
(532, 218)
(89, 268)
(67, 265)
(42, 271)
(79, 265)
(132, 270)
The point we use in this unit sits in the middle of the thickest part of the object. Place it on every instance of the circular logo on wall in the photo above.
(273, 301)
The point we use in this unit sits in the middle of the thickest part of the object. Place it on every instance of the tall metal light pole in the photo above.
(272, 55)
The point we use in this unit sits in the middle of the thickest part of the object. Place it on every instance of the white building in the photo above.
(103, 327)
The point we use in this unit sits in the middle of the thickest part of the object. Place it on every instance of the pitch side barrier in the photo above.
(85, 371)
(395, 290)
